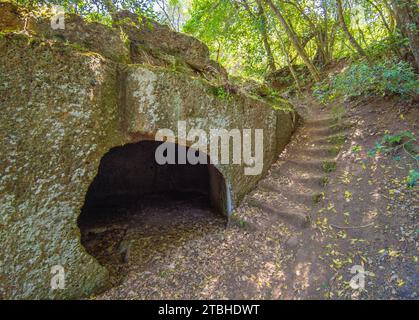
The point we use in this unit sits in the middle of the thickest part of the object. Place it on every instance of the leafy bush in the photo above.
(391, 46)
(220, 92)
(413, 178)
(362, 79)
(329, 166)
(392, 143)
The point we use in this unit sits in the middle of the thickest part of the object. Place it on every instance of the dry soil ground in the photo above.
(324, 207)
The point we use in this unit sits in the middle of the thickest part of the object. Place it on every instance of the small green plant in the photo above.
(241, 223)
(238, 221)
(77, 46)
(334, 151)
(176, 65)
(101, 18)
(412, 178)
(164, 273)
(390, 144)
(338, 139)
(319, 197)
(124, 37)
(347, 195)
(221, 92)
(324, 181)
(338, 112)
(329, 166)
(356, 149)
(396, 139)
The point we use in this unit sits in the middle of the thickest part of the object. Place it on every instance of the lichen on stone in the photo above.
(63, 108)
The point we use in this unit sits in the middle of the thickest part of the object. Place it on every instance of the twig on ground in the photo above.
(353, 227)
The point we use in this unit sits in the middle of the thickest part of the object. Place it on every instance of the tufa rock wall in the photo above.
(66, 98)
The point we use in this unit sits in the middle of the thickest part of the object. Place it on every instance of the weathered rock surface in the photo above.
(63, 106)
(155, 44)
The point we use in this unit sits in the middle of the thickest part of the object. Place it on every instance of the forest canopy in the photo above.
(253, 38)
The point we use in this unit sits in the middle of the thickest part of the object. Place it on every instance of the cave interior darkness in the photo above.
(129, 178)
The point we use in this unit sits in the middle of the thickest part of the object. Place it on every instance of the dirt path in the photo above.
(321, 210)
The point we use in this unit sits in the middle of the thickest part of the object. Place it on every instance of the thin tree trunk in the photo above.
(110, 6)
(289, 62)
(295, 41)
(218, 51)
(264, 32)
(326, 31)
(332, 40)
(381, 14)
(361, 33)
(392, 15)
(317, 31)
(345, 29)
(406, 12)
(290, 66)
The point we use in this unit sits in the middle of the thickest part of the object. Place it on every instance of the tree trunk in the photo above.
(326, 32)
(345, 29)
(289, 62)
(381, 14)
(264, 32)
(290, 66)
(295, 41)
(406, 12)
(391, 13)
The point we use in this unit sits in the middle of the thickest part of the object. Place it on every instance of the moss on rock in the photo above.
(64, 104)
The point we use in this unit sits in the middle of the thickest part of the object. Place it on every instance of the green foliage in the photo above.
(241, 223)
(99, 18)
(334, 151)
(329, 166)
(387, 48)
(231, 34)
(361, 79)
(239, 32)
(396, 139)
(318, 197)
(392, 143)
(412, 178)
(96, 10)
(337, 139)
(356, 149)
(220, 92)
(234, 31)
(238, 221)
(324, 181)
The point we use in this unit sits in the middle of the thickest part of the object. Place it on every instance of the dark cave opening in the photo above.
(131, 191)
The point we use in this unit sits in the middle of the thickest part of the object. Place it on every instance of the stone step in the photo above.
(322, 131)
(313, 160)
(331, 139)
(315, 151)
(298, 168)
(291, 216)
(298, 193)
(320, 122)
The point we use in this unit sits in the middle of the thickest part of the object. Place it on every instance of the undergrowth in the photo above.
(391, 144)
(389, 78)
